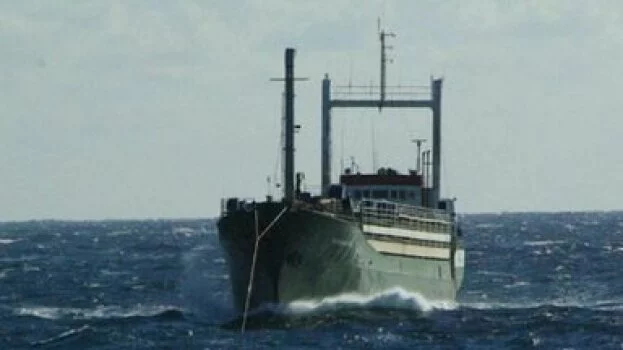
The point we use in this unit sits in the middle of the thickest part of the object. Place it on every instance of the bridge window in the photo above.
(366, 194)
(401, 195)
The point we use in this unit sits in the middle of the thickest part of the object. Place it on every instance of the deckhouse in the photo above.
(387, 183)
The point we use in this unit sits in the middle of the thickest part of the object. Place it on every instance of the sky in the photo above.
(158, 109)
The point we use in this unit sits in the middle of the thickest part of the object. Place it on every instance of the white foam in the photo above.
(119, 233)
(489, 225)
(99, 312)
(542, 243)
(494, 273)
(186, 231)
(395, 298)
(4, 272)
(603, 305)
(70, 333)
(8, 240)
(517, 284)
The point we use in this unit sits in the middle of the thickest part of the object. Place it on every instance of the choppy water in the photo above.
(532, 281)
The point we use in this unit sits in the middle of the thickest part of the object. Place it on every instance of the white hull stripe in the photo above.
(418, 251)
(409, 249)
(401, 232)
(459, 258)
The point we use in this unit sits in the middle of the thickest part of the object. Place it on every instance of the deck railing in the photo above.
(392, 214)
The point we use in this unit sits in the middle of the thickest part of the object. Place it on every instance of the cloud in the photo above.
(144, 108)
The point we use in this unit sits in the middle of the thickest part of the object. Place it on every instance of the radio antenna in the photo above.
(382, 35)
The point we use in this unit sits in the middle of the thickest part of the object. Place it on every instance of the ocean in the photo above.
(533, 280)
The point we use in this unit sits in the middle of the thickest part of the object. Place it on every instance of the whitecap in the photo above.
(602, 305)
(9, 240)
(64, 335)
(4, 272)
(591, 222)
(187, 231)
(494, 273)
(395, 298)
(542, 243)
(535, 340)
(107, 272)
(30, 268)
(99, 312)
(609, 305)
(119, 233)
(517, 284)
(489, 225)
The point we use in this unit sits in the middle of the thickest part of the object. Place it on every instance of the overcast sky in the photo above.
(145, 109)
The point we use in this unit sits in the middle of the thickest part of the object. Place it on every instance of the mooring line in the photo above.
(252, 273)
(283, 211)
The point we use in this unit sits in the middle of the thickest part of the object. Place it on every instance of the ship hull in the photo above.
(310, 255)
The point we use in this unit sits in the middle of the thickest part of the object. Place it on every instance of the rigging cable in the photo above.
(258, 237)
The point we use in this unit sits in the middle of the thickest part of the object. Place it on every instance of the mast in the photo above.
(288, 172)
(382, 35)
(326, 135)
(288, 124)
(436, 107)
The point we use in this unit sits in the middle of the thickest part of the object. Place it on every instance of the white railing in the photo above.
(386, 213)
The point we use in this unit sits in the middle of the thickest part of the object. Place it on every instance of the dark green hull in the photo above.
(310, 254)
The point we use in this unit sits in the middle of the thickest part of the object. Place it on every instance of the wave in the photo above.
(120, 233)
(63, 337)
(9, 240)
(100, 312)
(542, 243)
(390, 304)
(395, 298)
(489, 225)
(186, 231)
(5, 272)
(516, 284)
(600, 305)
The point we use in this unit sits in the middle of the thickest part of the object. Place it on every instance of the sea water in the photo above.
(532, 280)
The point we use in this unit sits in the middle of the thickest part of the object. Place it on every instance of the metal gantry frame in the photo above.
(434, 103)
(328, 103)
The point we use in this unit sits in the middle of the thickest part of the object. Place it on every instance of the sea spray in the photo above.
(394, 298)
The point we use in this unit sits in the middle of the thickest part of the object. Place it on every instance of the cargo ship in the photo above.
(363, 234)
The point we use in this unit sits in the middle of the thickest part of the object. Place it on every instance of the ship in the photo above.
(364, 234)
